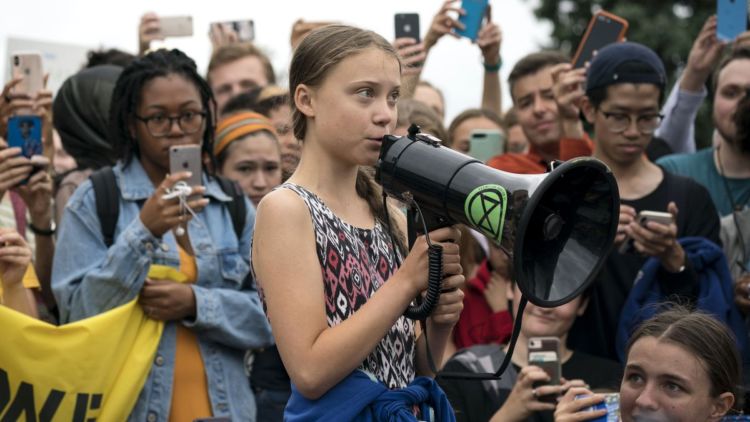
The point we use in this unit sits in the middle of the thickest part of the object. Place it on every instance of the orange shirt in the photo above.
(189, 386)
(532, 162)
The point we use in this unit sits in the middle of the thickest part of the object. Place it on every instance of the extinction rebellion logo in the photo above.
(485, 209)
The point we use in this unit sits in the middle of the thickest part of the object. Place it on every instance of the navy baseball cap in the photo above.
(606, 67)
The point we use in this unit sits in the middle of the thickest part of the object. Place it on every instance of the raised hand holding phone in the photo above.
(444, 23)
(476, 11)
(604, 29)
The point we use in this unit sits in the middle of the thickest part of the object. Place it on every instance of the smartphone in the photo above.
(604, 29)
(643, 218)
(731, 18)
(29, 66)
(25, 132)
(486, 143)
(187, 158)
(407, 25)
(544, 352)
(176, 26)
(245, 30)
(472, 20)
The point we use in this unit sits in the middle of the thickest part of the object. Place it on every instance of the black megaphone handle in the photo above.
(425, 305)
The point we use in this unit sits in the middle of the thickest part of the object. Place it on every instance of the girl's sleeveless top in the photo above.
(355, 262)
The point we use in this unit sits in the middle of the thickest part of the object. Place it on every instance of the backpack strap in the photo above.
(107, 195)
(237, 207)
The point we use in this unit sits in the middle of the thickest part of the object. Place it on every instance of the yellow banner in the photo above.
(90, 369)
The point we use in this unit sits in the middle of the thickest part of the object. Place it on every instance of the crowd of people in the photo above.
(298, 271)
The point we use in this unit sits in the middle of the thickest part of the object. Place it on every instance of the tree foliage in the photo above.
(668, 27)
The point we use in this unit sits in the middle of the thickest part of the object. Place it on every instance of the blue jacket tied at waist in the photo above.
(361, 398)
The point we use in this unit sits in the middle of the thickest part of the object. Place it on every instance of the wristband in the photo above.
(42, 232)
(492, 68)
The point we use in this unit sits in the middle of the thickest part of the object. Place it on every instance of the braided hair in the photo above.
(128, 93)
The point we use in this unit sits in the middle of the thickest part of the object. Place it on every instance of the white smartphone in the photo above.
(643, 218)
(27, 65)
(176, 26)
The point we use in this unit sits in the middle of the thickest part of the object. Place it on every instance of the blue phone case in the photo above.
(25, 132)
(732, 19)
(472, 20)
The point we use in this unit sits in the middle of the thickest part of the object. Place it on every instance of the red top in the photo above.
(533, 163)
(478, 324)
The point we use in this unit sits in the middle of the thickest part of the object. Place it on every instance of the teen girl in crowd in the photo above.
(681, 366)
(247, 151)
(329, 259)
(210, 320)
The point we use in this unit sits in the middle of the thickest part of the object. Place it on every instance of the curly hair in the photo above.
(129, 91)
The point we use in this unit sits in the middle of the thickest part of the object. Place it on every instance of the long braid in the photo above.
(127, 95)
(373, 194)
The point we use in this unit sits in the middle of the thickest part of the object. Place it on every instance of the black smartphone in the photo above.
(407, 25)
(604, 29)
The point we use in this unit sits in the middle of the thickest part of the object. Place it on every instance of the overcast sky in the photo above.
(454, 65)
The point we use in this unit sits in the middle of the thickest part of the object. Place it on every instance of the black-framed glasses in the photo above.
(620, 122)
(159, 125)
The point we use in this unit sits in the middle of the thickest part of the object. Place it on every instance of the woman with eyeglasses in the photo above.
(160, 101)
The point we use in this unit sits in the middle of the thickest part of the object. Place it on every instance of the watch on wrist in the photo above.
(42, 232)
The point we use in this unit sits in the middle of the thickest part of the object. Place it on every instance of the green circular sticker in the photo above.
(485, 209)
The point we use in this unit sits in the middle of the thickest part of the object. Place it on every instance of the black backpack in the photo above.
(107, 195)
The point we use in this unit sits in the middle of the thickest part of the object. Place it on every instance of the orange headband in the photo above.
(238, 125)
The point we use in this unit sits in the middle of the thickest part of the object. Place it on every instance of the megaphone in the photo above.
(560, 225)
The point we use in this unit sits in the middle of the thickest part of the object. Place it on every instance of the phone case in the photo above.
(485, 144)
(29, 66)
(25, 132)
(604, 28)
(475, 11)
(245, 29)
(186, 158)
(544, 352)
(176, 26)
(407, 25)
(731, 19)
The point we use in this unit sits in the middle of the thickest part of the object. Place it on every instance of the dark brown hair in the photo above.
(413, 111)
(313, 60)
(472, 113)
(532, 64)
(233, 52)
(702, 335)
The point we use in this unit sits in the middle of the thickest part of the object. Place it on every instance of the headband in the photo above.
(238, 125)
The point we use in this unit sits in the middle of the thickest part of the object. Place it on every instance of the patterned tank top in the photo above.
(355, 262)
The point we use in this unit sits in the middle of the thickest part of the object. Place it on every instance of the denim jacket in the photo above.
(88, 279)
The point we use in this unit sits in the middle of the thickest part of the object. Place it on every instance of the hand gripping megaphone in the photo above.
(560, 226)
